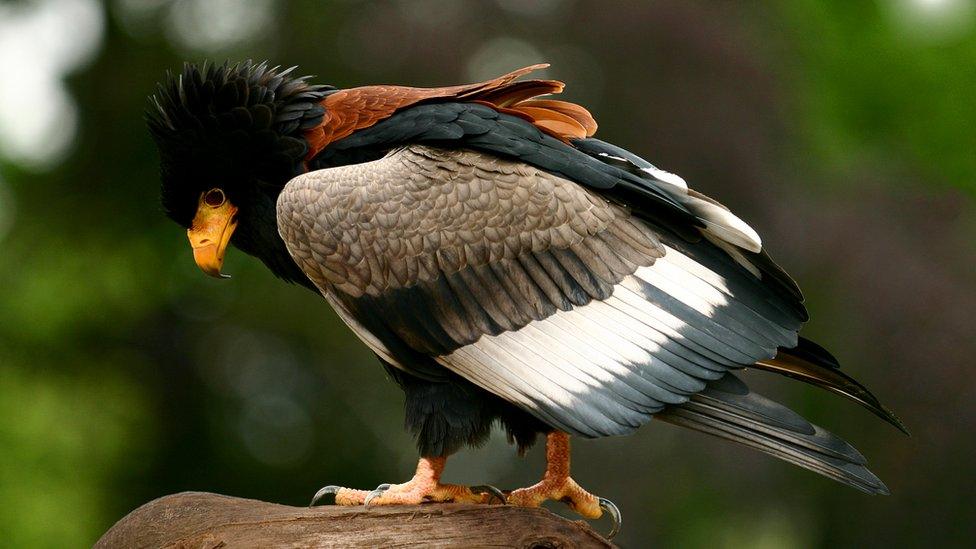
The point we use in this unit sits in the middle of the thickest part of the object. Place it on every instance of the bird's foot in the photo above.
(424, 487)
(566, 490)
(417, 491)
(563, 489)
(411, 493)
(557, 485)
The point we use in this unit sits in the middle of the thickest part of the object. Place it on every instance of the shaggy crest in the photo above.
(228, 126)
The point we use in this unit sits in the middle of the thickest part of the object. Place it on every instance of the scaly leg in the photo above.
(557, 485)
(425, 486)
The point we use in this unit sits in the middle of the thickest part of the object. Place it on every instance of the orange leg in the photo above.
(557, 485)
(425, 486)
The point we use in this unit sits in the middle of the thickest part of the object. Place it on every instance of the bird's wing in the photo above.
(529, 285)
(504, 117)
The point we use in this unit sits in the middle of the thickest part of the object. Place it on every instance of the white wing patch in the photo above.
(718, 221)
(605, 367)
(723, 223)
(672, 179)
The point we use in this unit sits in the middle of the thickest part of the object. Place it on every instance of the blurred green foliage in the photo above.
(888, 81)
(845, 132)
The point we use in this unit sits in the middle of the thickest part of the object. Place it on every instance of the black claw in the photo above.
(614, 513)
(375, 493)
(324, 492)
(491, 490)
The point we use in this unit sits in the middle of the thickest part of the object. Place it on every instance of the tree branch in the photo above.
(204, 520)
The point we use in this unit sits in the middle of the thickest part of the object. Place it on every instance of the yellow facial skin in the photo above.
(212, 227)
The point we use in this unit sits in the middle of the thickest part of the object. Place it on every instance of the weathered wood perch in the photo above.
(192, 520)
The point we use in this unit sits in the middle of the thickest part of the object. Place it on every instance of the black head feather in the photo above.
(238, 127)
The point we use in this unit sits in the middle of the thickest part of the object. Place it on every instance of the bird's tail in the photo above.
(811, 363)
(729, 410)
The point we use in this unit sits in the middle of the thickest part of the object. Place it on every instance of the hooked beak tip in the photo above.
(209, 260)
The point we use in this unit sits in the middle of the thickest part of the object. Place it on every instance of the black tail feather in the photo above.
(727, 409)
(811, 363)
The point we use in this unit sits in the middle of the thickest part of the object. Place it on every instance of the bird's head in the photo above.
(229, 138)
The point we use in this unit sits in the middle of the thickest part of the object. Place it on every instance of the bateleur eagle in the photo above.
(504, 265)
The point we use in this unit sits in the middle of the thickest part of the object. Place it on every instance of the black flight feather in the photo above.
(727, 409)
(811, 363)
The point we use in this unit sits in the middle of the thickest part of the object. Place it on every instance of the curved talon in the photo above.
(615, 517)
(330, 489)
(376, 493)
(491, 491)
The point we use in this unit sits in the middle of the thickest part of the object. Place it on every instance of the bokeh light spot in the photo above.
(934, 20)
(276, 430)
(501, 55)
(214, 25)
(41, 43)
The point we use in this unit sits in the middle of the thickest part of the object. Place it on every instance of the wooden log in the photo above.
(192, 520)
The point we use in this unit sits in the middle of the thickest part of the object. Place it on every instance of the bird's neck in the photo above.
(257, 235)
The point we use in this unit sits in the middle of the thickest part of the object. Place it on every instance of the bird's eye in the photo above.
(214, 198)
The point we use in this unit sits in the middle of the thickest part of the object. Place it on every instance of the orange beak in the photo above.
(210, 233)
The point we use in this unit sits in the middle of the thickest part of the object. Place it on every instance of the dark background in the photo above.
(844, 132)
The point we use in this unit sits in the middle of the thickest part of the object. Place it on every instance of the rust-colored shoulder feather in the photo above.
(349, 110)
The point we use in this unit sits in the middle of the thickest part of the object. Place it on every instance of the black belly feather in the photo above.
(446, 415)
